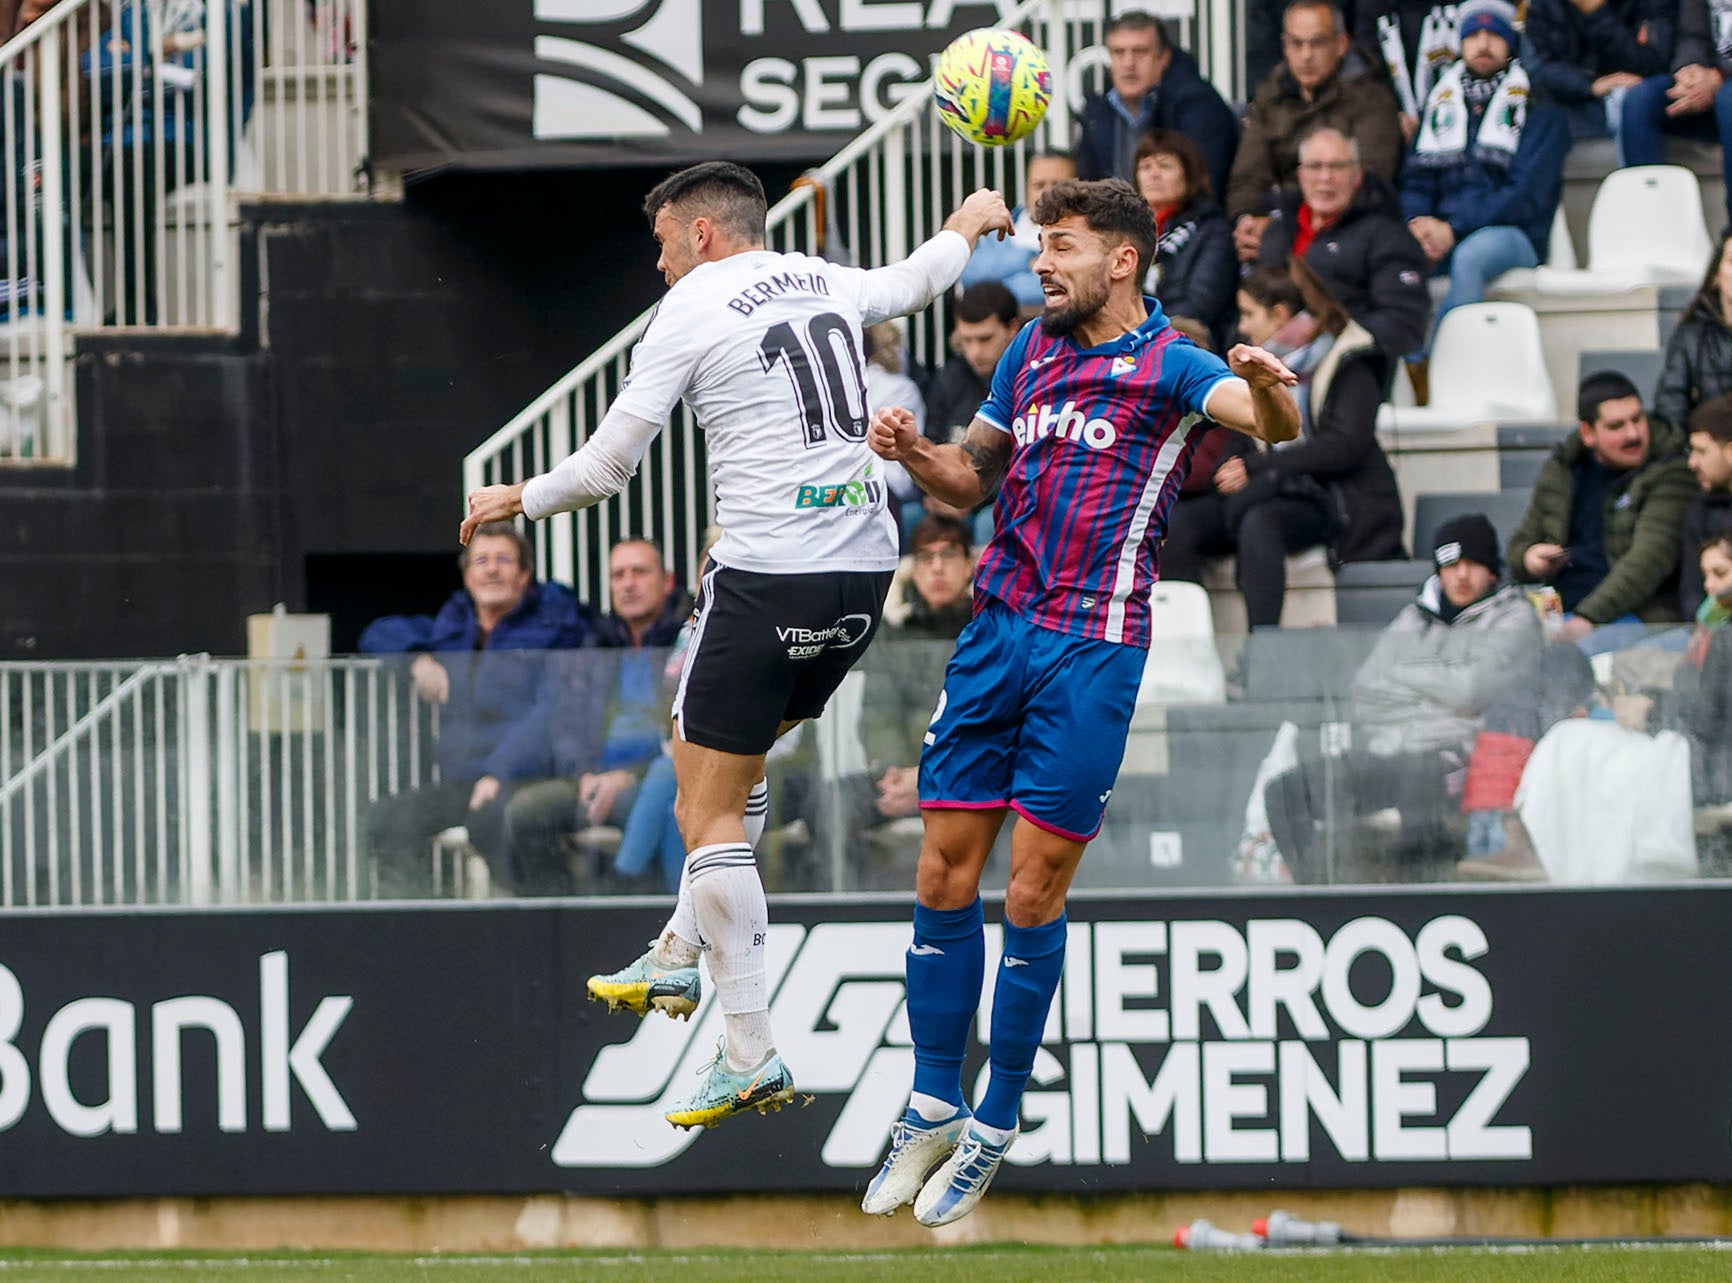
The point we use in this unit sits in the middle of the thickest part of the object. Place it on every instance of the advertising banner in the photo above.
(1326, 1040)
(516, 84)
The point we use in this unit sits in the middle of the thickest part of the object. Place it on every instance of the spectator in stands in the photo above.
(1194, 273)
(930, 601)
(1487, 170)
(606, 726)
(1604, 524)
(1154, 86)
(1347, 226)
(482, 661)
(1694, 101)
(1324, 80)
(1709, 515)
(986, 320)
(1418, 700)
(1332, 485)
(887, 381)
(1699, 356)
(1585, 55)
(1008, 261)
(1416, 40)
(1705, 686)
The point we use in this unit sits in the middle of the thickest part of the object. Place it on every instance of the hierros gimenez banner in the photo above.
(1429, 1037)
(528, 83)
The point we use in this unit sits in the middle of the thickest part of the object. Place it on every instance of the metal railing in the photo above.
(872, 203)
(199, 780)
(127, 130)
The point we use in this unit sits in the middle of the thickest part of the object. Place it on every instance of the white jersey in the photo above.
(767, 349)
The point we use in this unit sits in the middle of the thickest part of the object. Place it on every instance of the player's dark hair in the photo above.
(985, 300)
(729, 194)
(1336, 14)
(1183, 148)
(1110, 207)
(935, 530)
(1597, 389)
(1708, 297)
(1137, 20)
(1324, 307)
(1271, 286)
(1714, 417)
(500, 530)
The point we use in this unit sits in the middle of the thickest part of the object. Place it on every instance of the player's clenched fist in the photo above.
(892, 433)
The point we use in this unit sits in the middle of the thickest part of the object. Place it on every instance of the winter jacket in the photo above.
(1643, 519)
(496, 719)
(1567, 50)
(1340, 450)
(1196, 270)
(664, 630)
(1368, 260)
(1183, 101)
(953, 399)
(1473, 193)
(1697, 44)
(1709, 514)
(1698, 364)
(1427, 683)
(1358, 101)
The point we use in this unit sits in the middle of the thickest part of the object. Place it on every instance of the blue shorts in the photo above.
(1031, 719)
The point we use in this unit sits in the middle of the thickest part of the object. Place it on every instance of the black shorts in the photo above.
(769, 649)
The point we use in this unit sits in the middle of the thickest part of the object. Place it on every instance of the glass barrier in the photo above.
(1305, 756)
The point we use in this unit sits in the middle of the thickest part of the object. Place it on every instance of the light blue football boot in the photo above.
(725, 1092)
(647, 986)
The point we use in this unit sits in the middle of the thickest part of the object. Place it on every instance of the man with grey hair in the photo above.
(1346, 224)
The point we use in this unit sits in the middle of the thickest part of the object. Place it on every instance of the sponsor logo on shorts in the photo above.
(806, 643)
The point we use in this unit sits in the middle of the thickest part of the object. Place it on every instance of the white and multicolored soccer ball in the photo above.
(992, 87)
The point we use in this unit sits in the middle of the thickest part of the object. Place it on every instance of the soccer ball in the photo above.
(992, 87)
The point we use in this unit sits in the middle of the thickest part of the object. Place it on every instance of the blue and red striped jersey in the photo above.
(1104, 438)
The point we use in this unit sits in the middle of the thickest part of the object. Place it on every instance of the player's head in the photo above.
(1096, 238)
(986, 322)
(638, 581)
(943, 560)
(496, 567)
(703, 213)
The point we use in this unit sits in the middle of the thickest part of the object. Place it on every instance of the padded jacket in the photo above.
(1698, 363)
(1183, 101)
(1567, 50)
(1197, 269)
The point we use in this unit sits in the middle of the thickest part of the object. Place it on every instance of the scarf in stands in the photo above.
(1302, 344)
(1443, 131)
(1437, 49)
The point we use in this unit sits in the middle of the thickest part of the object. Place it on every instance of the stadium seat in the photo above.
(1560, 255)
(1641, 367)
(1504, 508)
(1486, 364)
(1522, 450)
(1371, 593)
(1645, 228)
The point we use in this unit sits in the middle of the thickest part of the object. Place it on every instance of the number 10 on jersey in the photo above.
(823, 365)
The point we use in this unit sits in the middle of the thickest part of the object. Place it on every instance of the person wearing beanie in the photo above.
(1693, 99)
(1418, 701)
(1486, 171)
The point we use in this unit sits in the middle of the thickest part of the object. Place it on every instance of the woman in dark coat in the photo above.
(1699, 357)
(1195, 272)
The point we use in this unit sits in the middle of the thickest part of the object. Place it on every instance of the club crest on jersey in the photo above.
(1122, 365)
(1066, 423)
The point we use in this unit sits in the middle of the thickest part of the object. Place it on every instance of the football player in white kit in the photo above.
(767, 350)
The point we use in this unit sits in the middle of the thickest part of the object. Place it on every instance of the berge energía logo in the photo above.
(1219, 1043)
(599, 92)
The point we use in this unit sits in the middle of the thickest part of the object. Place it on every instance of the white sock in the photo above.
(728, 898)
(681, 942)
(930, 1108)
(757, 812)
(997, 1135)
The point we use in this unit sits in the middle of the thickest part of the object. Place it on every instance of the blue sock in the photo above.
(946, 965)
(1028, 976)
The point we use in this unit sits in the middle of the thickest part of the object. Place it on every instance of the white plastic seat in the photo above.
(1183, 666)
(1560, 257)
(1487, 364)
(1645, 228)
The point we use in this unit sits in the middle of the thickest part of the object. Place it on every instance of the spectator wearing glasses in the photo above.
(1323, 79)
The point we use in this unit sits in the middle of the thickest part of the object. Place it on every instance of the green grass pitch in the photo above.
(1593, 1264)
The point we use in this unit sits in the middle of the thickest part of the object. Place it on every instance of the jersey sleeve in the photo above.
(1189, 374)
(662, 363)
(999, 408)
(899, 289)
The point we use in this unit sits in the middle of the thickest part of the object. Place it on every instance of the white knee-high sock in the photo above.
(681, 940)
(735, 919)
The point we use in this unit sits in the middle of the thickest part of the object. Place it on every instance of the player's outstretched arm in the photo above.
(964, 476)
(1257, 403)
(912, 284)
(597, 471)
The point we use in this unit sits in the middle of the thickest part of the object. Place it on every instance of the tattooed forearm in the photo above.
(988, 453)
